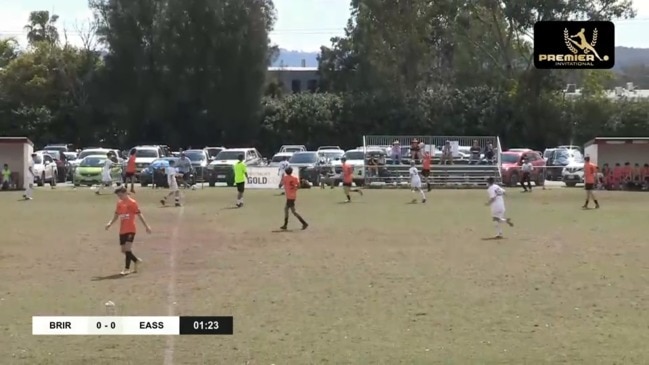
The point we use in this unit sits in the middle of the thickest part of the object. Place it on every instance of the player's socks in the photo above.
(509, 221)
(596, 203)
(586, 203)
(349, 198)
(163, 201)
(499, 229)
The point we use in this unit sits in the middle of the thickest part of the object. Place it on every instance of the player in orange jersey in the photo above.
(590, 176)
(348, 180)
(126, 210)
(291, 185)
(425, 168)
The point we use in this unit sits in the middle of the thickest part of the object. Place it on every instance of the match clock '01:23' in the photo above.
(206, 325)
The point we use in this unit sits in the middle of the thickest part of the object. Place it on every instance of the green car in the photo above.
(88, 172)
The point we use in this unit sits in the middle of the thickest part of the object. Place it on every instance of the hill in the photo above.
(624, 57)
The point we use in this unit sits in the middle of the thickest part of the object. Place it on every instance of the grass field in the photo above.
(378, 281)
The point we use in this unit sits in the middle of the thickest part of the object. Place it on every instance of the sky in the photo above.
(302, 25)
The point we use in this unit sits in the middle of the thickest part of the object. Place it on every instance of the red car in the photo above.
(511, 162)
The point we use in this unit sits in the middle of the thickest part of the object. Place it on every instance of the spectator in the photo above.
(645, 176)
(185, 168)
(6, 182)
(414, 149)
(63, 172)
(373, 166)
(607, 176)
(627, 176)
(447, 154)
(475, 151)
(637, 175)
(526, 168)
(618, 177)
(489, 153)
(395, 153)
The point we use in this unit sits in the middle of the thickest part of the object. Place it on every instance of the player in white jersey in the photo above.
(281, 172)
(30, 178)
(415, 182)
(497, 204)
(106, 178)
(172, 173)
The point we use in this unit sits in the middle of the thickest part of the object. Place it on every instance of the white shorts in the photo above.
(415, 184)
(105, 178)
(173, 184)
(498, 213)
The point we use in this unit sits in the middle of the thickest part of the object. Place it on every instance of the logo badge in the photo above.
(574, 45)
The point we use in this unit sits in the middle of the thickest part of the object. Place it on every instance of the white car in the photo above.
(45, 170)
(144, 155)
(573, 174)
(279, 157)
(355, 158)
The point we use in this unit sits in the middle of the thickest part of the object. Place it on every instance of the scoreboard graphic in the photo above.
(132, 325)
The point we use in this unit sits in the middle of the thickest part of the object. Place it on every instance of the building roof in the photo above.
(618, 94)
(293, 69)
(618, 140)
(7, 140)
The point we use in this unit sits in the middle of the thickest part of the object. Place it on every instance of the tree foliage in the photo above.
(194, 73)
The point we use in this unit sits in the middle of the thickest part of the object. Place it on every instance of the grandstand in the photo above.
(387, 162)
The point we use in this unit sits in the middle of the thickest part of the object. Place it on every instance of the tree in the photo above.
(8, 51)
(42, 27)
(177, 63)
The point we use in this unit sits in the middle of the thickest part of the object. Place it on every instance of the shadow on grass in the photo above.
(109, 277)
(230, 208)
(284, 231)
(493, 238)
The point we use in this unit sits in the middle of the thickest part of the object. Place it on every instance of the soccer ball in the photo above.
(193, 187)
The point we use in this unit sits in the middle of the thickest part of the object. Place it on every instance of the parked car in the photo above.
(292, 148)
(547, 153)
(70, 157)
(44, 169)
(329, 148)
(570, 147)
(355, 158)
(213, 151)
(147, 175)
(62, 164)
(329, 155)
(144, 155)
(560, 158)
(221, 168)
(89, 170)
(279, 157)
(61, 147)
(308, 164)
(94, 151)
(573, 173)
(200, 159)
(511, 167)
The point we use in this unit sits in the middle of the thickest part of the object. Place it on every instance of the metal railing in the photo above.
(388, 158)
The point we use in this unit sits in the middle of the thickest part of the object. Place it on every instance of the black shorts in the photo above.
(349, 185)
(241, 187)
(290, 203)
(425, 173)
(126, 238)
(589, 186)
(129, 174)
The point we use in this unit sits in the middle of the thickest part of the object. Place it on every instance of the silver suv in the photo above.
(221, 170)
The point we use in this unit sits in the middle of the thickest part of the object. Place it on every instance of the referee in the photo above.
(240, 177)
